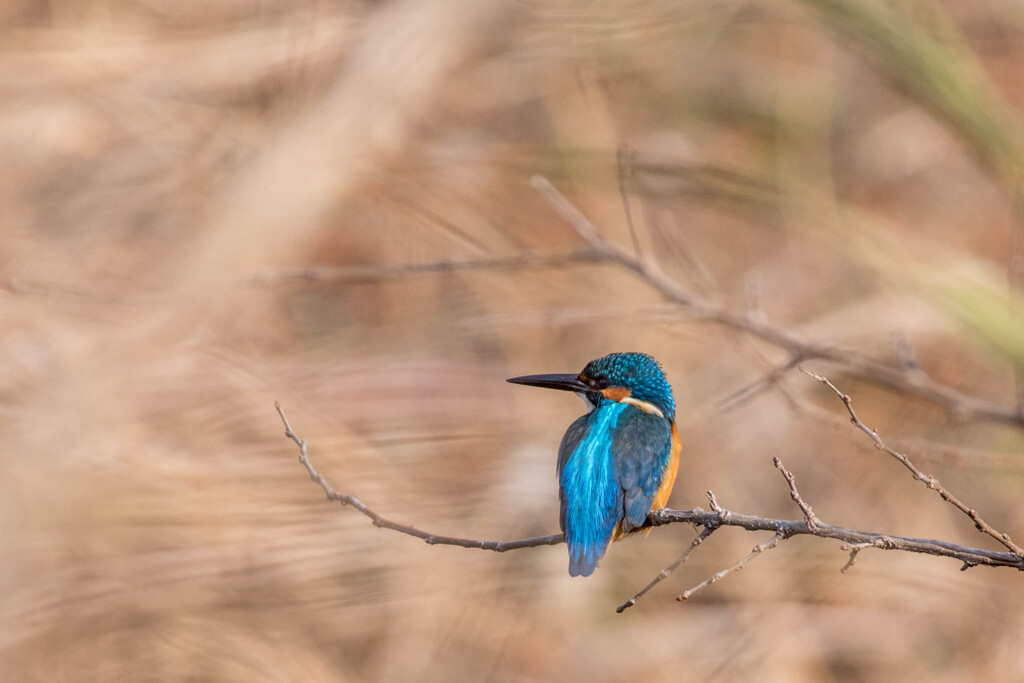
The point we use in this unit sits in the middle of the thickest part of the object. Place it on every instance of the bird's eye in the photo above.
(596, 383)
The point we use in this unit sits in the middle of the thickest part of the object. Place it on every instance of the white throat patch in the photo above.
(643, 405)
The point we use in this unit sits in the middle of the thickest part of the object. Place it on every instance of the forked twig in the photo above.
(809, 516)
(667, 571)
(855, 549)
(718, 576)
(928, 480)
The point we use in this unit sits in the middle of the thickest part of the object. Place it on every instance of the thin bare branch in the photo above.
(809, 516)
(928, 480)
(854, 549)
(523, 261)
(378, 520)
(763, 383)
(568, 211)
(715, 578)
(676, 249)
(667, 571)
(790, 528)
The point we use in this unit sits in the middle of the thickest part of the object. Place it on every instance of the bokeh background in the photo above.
(173, 170)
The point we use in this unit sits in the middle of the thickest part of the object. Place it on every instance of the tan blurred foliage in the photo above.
(848, 169)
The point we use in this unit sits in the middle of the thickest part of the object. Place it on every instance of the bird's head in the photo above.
(633, 378)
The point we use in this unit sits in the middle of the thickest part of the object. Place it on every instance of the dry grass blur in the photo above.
(850, 167)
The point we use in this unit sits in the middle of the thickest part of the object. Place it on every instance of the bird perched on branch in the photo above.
(619, 461)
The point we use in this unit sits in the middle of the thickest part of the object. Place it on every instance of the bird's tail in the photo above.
(583, 556)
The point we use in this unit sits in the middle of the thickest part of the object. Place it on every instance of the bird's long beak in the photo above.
(563, 382)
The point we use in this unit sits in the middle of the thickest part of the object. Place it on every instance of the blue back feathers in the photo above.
(590, 495)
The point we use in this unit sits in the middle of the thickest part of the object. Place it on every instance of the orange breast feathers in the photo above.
(665, 490)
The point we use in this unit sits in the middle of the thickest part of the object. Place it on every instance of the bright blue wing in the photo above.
(641, 448)
(570, 441)
(592, 500)
(610, 465)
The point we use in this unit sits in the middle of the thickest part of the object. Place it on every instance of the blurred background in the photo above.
(205, 205)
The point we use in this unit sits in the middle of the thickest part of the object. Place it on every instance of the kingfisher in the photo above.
(619, 461)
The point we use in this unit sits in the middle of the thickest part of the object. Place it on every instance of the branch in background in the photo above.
(524, 261)
(928, 480)
(625, 158)
(853, 540)
(909, 380)
(904, 377)
(754, 389)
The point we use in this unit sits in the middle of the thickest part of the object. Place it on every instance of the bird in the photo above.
(618, 462)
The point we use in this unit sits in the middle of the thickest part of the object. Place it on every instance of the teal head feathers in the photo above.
(637, 373)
